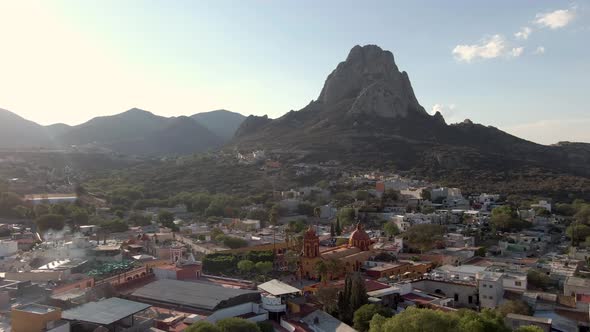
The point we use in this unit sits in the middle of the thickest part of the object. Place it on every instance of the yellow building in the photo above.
(350, 256)
(34, 317)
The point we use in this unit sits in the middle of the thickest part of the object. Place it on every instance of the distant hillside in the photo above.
(16, 132)
(221, 122)
(132, 132)
(181, 135)
(129, 125)
(57, 129)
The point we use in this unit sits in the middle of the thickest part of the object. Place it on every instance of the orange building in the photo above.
(34, 318)
(351, 256)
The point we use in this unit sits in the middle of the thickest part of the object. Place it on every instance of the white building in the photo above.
(515, 282)
(543, 205)
(8, 248)
(459, 273)
(491, 288)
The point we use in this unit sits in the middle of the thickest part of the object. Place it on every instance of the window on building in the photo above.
(484, 297)
(456, 297)
(470, 299)
(517, 283)
(491, 297)
(491, 286)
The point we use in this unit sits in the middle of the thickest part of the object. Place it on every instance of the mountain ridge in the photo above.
(124, 132)
(367, 115)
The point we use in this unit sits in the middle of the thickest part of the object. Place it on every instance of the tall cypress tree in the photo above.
(338, 229)
(358, 292)
(344, 307)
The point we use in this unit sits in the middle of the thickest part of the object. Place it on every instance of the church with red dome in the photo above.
(351, 256)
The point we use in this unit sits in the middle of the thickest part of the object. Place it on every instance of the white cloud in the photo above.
(524, 33)
(553, 131)
(517, 51)
(555, 19)
(539, 50)
(488, 48)
(448, 111)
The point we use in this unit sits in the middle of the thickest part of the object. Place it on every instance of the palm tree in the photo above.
(317, 212)
(274, 218)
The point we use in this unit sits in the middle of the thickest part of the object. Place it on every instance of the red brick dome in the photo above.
(359, 238)
(359, 234)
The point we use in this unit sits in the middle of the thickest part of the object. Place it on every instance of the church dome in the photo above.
(359, 238)
(359, 234)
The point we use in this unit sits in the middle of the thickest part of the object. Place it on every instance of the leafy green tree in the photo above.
(22, 212)
(264, 267)
(538, 279)
(577, 232)
(321, 269)
(258, 214)
(215, 232)
(8, 201)
(41, 209)
(200, 202)
(364, 314)
(391, 229)
(338, 227)
(165, 216)
(342, 199)
(265, 326)
(233, 242)
(582, 215)
(305, 209)
(203, 326)
(425, 194)
(414, 319)
(505, 219)
(346, 216)
(296, 226)
(50, 222)
(246, 266)
(486, 320)
(564, 209)
(219, 263)
(139, 219)
(481, 252)
(79, 217)
(235, 324)
(515, 307)
(424, 236)
(114, 226)
(328, 297)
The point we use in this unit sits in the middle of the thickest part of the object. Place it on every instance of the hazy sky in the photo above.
(522, 66)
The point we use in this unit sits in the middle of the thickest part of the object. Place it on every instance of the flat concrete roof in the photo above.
(104, 312)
